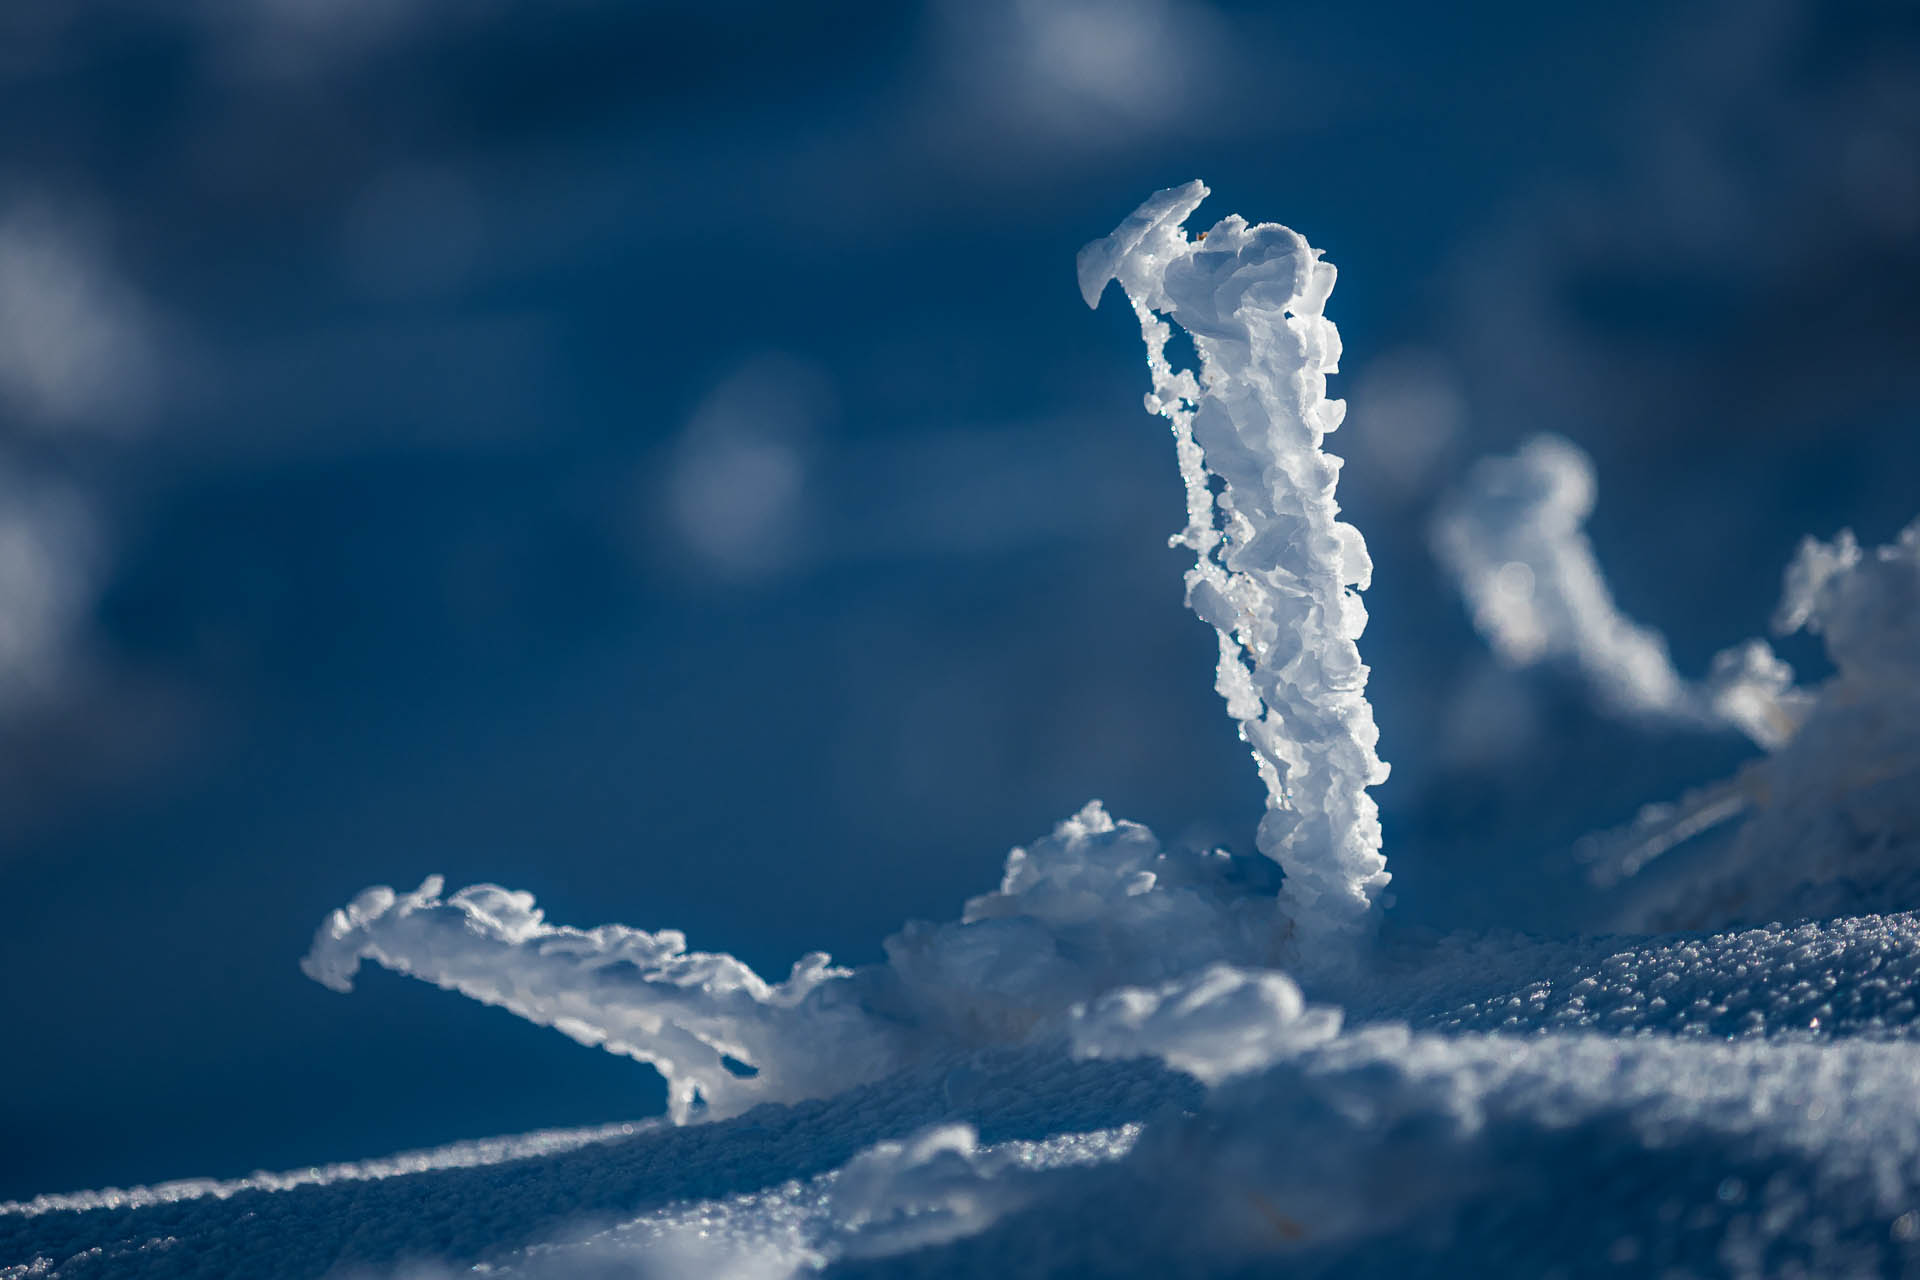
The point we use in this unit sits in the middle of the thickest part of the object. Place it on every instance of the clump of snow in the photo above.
(1276, 571)
(1389, 1152)
(1096, 905)
(928, 1189)
(1514, 540)
(1865, 607)
(1221, 1023)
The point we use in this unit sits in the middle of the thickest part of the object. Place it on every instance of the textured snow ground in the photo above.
(1739, 1103)
(1100, 1068)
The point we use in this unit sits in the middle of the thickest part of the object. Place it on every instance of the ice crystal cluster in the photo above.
(1136, 1060)
(1097, 905)
(1276, 569)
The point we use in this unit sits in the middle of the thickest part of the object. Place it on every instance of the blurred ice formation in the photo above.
(78, 346)
(1514, 540)
(1831, 820)
(1218, 1025)
(49, 553)
(1276, 569)
(737, 485)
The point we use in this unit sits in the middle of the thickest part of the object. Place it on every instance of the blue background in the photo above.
(655, 456)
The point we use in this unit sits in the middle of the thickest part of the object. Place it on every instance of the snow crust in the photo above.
(1457, 1125)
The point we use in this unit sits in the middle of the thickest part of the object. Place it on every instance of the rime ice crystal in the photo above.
(1276, 570)
(1094, 905)
(724, 1037)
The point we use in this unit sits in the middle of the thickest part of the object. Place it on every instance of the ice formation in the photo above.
(1276, 571)
(723, 1037)
(1098, 905)
(1100, 1067)
(1825, 823)
(1514, 540)
(1831, 821)
(1095, 905)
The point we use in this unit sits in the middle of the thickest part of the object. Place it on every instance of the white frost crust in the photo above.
(1810, 1150)
(1095, 905)
(897, 1196)
(1276, 569)
(1513, 539)
(1216, 1025)
(475, 1154)
(690, 1014)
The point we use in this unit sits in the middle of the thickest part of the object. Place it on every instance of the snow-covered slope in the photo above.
(1131, 1059)
(1729, 1104)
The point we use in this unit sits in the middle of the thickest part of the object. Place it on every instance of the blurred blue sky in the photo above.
(655, 456)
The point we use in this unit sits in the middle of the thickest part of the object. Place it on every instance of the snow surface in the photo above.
(1101, 1068)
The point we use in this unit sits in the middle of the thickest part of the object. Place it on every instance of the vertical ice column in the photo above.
(1275, 568)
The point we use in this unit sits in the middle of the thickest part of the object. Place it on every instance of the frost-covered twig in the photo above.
(723, 1037)
(1513, 538)
(1276, 569)
(1096, 904)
